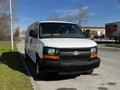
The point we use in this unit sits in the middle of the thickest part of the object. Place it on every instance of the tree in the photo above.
(80, 16)
(55, 17)
(4, 27)
(5, 18)
(16, 35)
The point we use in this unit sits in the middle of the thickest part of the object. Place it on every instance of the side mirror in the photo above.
(32, 33)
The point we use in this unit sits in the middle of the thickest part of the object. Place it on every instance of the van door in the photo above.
(33, 43)
(30, 44)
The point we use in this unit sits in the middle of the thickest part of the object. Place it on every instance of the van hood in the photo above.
(68, 42)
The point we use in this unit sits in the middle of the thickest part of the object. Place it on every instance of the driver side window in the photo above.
(36, 30)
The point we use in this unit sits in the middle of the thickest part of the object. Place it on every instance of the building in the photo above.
(94, 31)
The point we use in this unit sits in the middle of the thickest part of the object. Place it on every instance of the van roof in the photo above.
(56, 22)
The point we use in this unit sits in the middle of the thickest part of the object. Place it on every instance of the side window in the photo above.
(26, 37)
(36, 30)
(40, 30)
(32, 33)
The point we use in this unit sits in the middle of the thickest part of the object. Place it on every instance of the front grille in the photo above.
(74, 49)
(75, 54)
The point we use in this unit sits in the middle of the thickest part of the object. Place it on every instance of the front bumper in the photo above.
(70, 66)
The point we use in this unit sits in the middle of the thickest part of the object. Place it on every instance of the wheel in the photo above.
(40, 71)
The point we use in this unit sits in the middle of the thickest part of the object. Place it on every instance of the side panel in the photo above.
(40, 44)
(31, 43)
(27, 44)
(34, 42)
(40, 47)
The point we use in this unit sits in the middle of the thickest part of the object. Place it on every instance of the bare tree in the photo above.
(17, 34)
(4, 6)
(5, 18)
(55, 17)
(80, 16)
(4, 27)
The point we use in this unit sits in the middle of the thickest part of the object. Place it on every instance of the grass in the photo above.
(4, 47)
(12, 73)
(113, 45)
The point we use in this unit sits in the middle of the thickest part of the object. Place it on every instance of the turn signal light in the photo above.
(93, 55)
(51, 57)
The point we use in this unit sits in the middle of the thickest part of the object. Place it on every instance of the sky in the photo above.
(99, 11)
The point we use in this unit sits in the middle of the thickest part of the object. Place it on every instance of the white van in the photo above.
(59, 46)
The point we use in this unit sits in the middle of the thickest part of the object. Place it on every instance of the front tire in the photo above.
(40, 71)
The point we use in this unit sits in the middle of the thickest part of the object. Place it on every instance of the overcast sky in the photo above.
(100, 11)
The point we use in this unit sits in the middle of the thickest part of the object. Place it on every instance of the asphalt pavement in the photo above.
(106, 77)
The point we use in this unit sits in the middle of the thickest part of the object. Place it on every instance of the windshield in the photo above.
(60, 30)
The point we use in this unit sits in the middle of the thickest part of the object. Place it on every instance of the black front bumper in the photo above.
(70, 66)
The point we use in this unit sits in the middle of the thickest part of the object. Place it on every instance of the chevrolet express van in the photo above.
(59, 46)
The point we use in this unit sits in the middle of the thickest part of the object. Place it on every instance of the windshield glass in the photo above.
(60, 30)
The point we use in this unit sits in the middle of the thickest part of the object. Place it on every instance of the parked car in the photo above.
(58, 46)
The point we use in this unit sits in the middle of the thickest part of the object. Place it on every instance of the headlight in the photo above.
(93, 50)
(51, 51)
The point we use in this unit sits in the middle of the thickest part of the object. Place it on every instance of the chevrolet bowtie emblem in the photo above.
(76, 53)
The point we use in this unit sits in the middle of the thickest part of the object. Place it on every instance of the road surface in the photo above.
(106, 77)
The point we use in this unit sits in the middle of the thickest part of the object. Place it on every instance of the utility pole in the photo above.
(11, 25)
